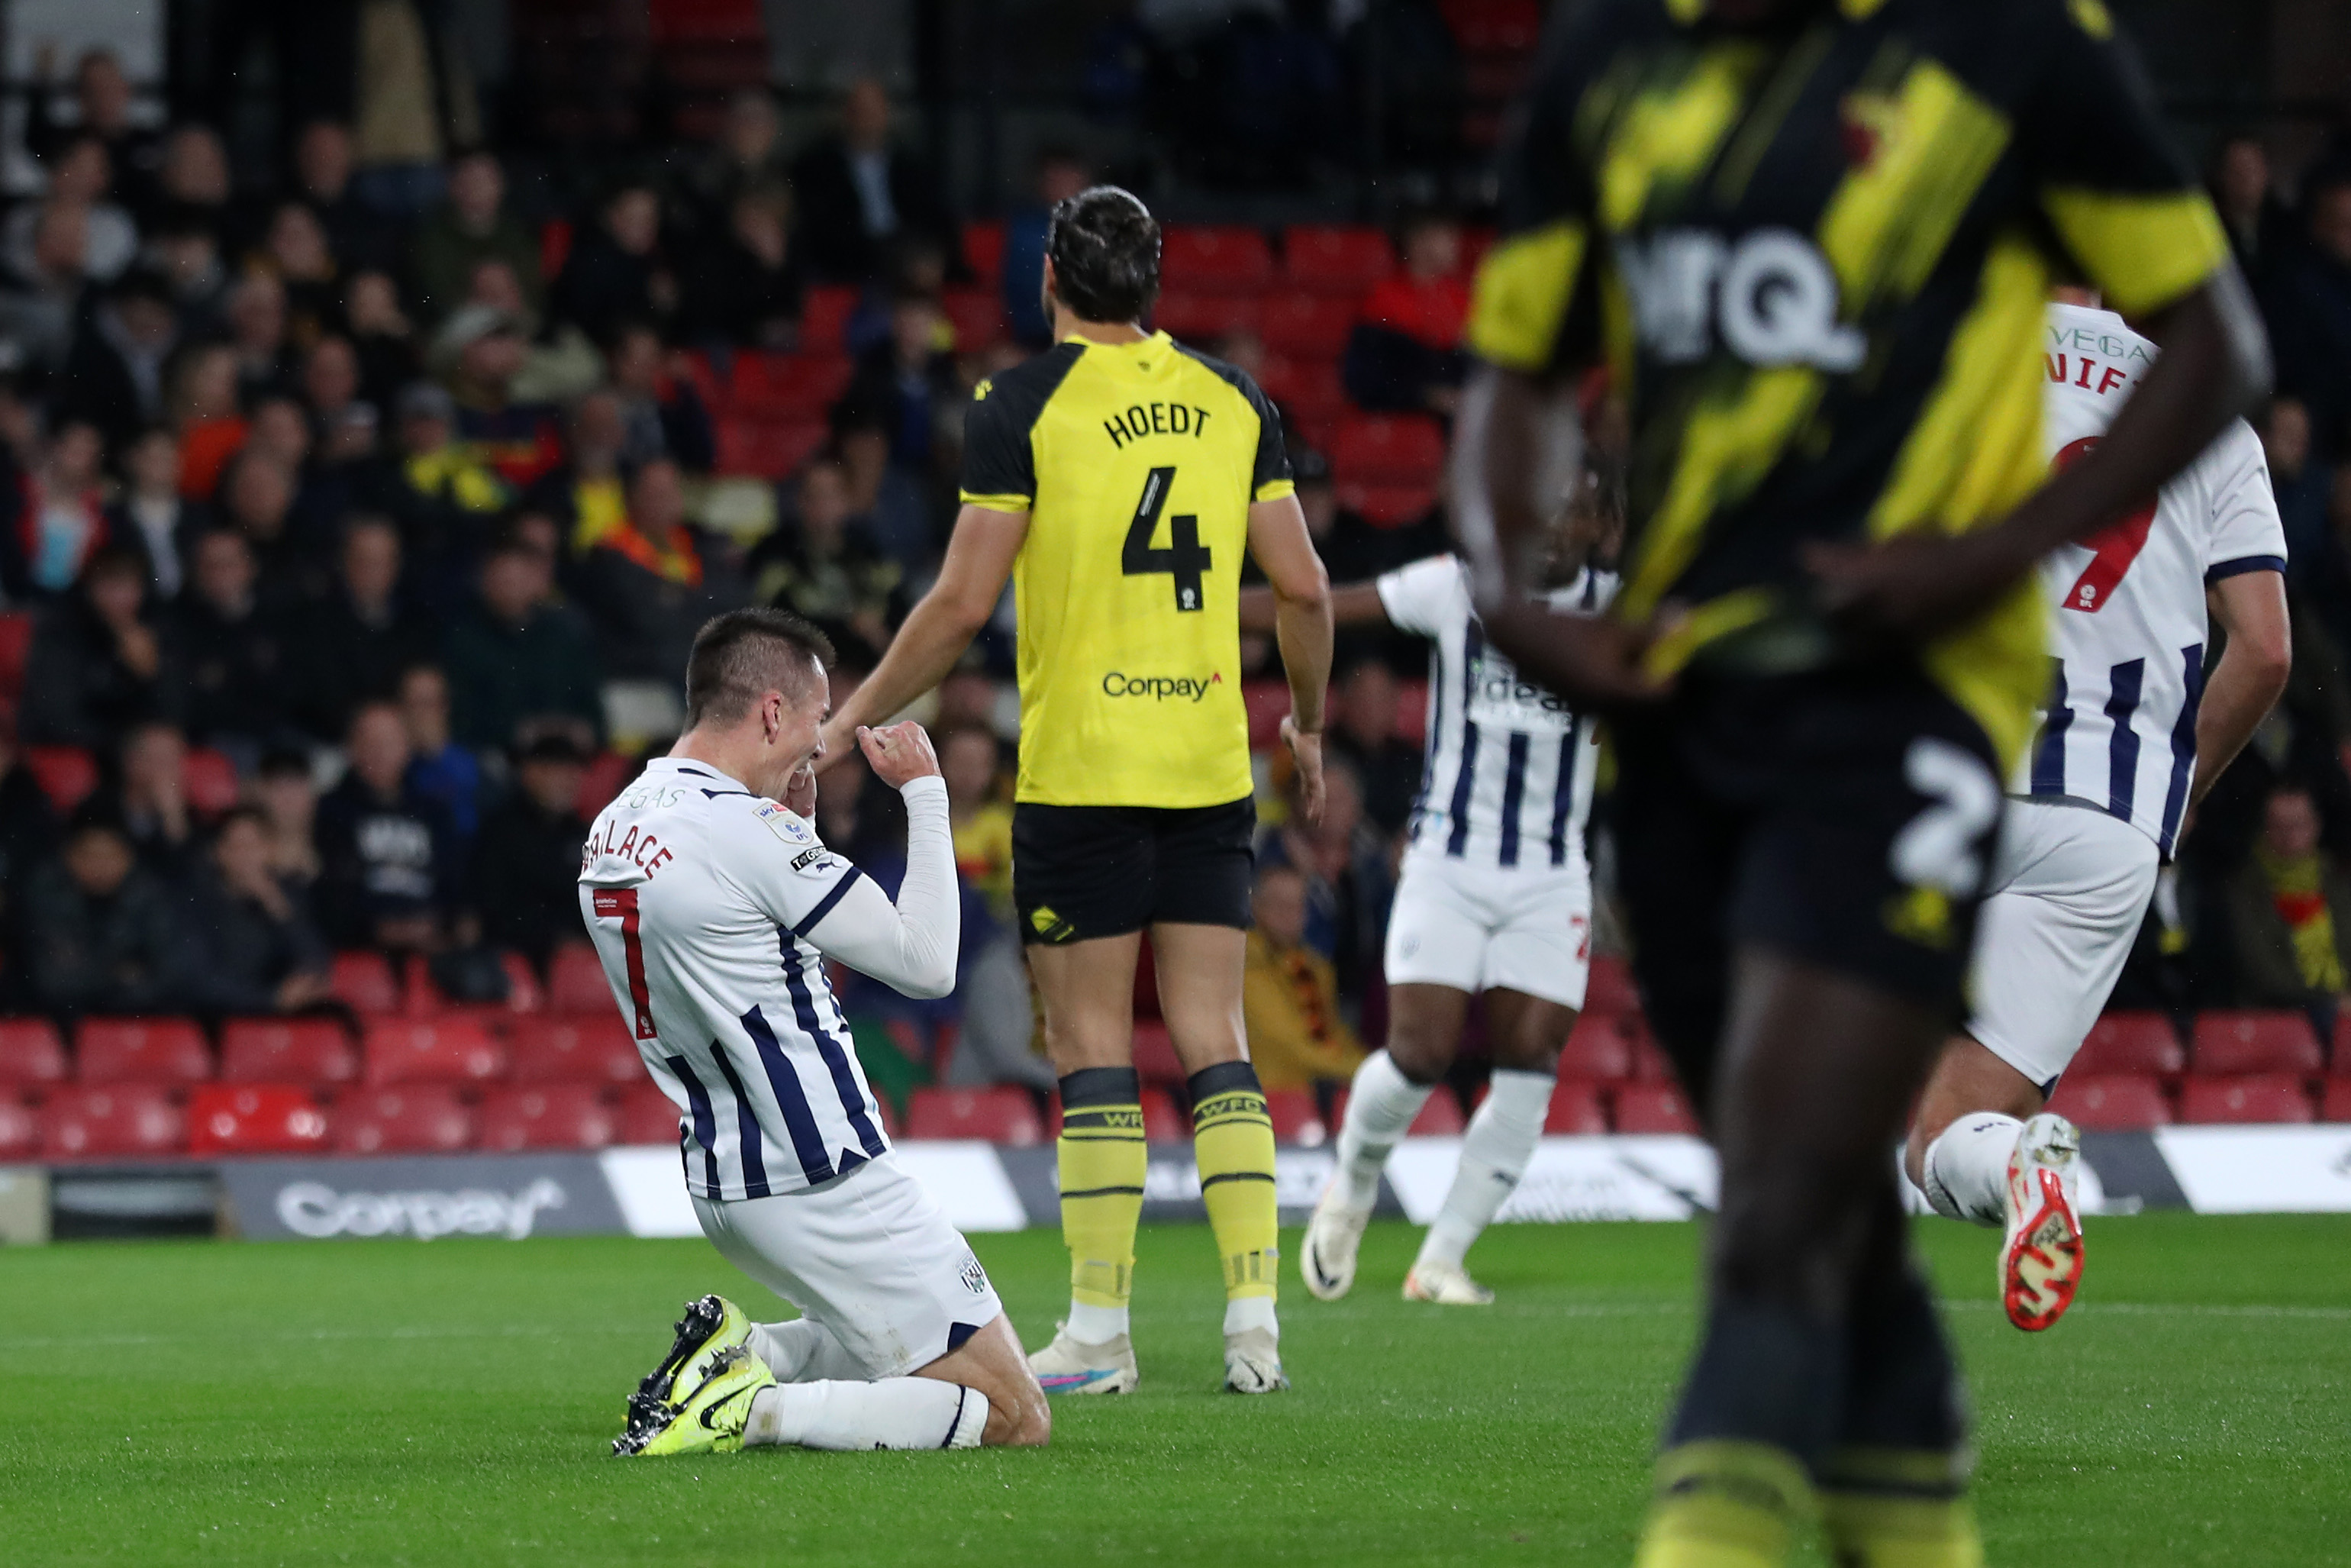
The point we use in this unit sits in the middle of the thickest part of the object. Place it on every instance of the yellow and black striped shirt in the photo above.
(1816, 257)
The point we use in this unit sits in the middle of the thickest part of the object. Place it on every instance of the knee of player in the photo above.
(1421, 1059)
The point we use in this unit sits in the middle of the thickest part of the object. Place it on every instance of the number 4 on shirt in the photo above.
(1184, 558)
(2116, 546)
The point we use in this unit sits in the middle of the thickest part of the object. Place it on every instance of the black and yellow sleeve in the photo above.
(999, 467)
(2124, 204)
(1270, 477)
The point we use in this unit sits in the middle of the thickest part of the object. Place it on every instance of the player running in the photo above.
(2137, 731)
(1117, 479)
(1495, 899)
(1817, 242)
(713, 907)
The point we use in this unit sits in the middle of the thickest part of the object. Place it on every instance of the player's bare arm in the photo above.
(1284, 551)
(1352, 605)
(2252, 674)
(978, 561)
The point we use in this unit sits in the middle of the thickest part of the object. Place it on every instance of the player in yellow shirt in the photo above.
(1117, 479)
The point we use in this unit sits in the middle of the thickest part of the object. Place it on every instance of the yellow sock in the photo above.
(1721, 1504)
(1103, 1162)
(1892, 1508)
(1232, 1139)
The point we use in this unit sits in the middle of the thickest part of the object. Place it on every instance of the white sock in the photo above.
(895, 1413)
(1494, 1155)
(1380, 1106)
(1090, 1324)
(803, 1351)
(1966, 1167)
(1245, 1313)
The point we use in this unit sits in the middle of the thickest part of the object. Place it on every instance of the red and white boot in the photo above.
(2040, 1260)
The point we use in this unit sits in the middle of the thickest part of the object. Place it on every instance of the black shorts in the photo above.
(1082, 872)
(1843, 817)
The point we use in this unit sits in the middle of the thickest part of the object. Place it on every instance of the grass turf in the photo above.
(396, 1403)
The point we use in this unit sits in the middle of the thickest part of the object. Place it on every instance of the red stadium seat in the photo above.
(287, 1050)
(2256, 1098)
(2262, 1040)
(590, 1048)
(703, 22)
(20, 1130)
(1203, 258)
(554, 245)
(576, 983)
(364, 983)
(1330, 258)
(209, 780)
(998, 1115)
(255, 1119)
(1575, 1109)
(2336, 1106)
(136, 1121)
(1162, 1123)
(1653, 1108)
(983, 251)
(1147, 984)
(67, 774)
(786, 387)
(16, 644)
(2124, 1103)
(766, 448)
(1494, 26)
(1309, 390)
(546, 1116)
(978, 315)
(420, 1119)
(2128, 1042)
(1310, 326)
(608, 772)
(824, 318)
(142, 1050)
(1609, 990)
(1295, 1118)
(30, 1052)
(1155, 1053)
(1439, 1118)
(524, 993)
(1396, 449)
(1411, 712)
(1268, 704)
(646, 1117)
(449, 1051)
(1388, 506)
(1598, 1049)
(1202, 318)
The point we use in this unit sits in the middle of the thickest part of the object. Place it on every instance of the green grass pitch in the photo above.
(450, 1403)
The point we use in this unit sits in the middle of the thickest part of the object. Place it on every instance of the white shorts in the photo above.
(1481, 928)
(869, 1256)
(2070, 885)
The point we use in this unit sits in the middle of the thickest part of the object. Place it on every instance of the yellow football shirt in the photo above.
(1137, 464)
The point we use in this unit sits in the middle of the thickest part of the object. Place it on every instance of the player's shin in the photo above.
(895, 1413)
(1232, 1139)
(1965, 1167)
(1494, 1153)
(1381, 1104)
(1103, 1160)
(803, 1351)
(1893, 1487)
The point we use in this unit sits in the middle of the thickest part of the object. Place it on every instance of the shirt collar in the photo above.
(702, 772)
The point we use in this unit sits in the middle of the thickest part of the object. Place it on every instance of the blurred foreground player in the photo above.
(1817, 239)
(2135, 732)
(1117, 479)
(713, 907)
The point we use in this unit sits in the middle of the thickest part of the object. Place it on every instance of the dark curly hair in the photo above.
(1103, 244)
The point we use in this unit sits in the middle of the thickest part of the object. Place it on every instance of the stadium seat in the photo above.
(142, 1050)
(1147, 984)
(135, 1120)
(287, 1050)
(2259, 1097)
(1395, 449)
(209, 780)
(1200, 320)
(1162, 1123)
(590, 1048)
(449, 1051)
(420, 1119)
(1155, 1053)
(30, 1052)
(1608, 990)
(524, 993)
(1388, 506)
(255, 1119)
(16, 644)
(1598, 1049)
(983, 251)
(1332, 258)
(545, 1116)
(67, 774)
(766, 448)
(1295, 1117)
(1411, 712)
(1310, 326)
(1494, 26)
(2130, 1042)
(786, 387)
(1214, 259)
(1440, 1117)
(606, 774)
(1309, 390)
(824, 318)
(1003, 1116)
(554, 245)
(576, 983)
(2336, 1105)
(364, 983)
(1653, 1108)
(2121, 1102)
(20, 1130)
(978, 315)
(1267, 703)
(2262, 1041)
(1575, 1109)
(645, 1116)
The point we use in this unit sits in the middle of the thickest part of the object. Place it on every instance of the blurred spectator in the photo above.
(388, 865)
(344, 423)
(558, 362)
(2290, 906)
(439, 769)
(648, 580)
(663, 415)
(382, 336)
(287, 799)
(193, 185)
(359, 239)
(356, 642)
(997, 1044)
(2260, 228)
(516, 655)
(230, 653)
(527, 870)
(41, 299)
(748, 156)
(28, 825)
(1404, 355)
(98, 933)
(909, 379)
(1060, 174)
(820, 565)
(96, 662)
(477, 354)
(1348, 880)
(256, 324)
(207, 417)
(1364, 732)
(617, 272)
(187, 253)
(295, 250)
(743, 286)
(257, 495)
(2309, 310)
(473, 226)
(1289, 994)
(150, 517)
(859, 196)
(150, 802)
(79, 178)
(261, 951)
(899, 520)
(114, 371)
(444, 499)
(979, 818)
(61, 520)
(102, 101)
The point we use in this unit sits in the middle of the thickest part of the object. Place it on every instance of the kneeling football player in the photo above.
(714, 909)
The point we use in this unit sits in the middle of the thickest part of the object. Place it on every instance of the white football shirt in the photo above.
(1506, 770)
(714, 910)
(2120, 730)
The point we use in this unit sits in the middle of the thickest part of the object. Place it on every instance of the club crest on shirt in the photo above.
(783, 824)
